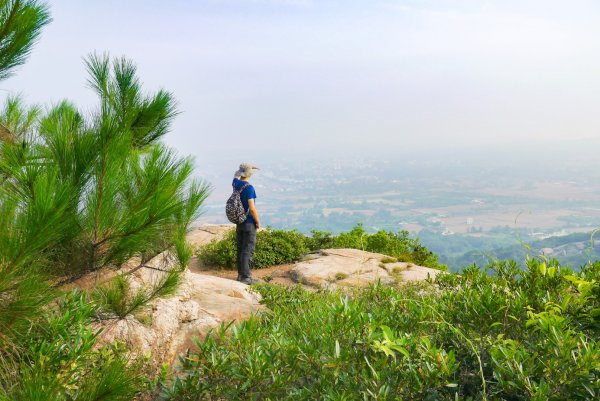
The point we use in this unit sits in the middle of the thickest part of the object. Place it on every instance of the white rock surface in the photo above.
(331, 268)
(201, 303)
(205, 233)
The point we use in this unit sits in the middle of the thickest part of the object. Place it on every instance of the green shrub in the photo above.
(396, 245)
(273, 247)
(59, 360)
(495, 334)
(320, 240)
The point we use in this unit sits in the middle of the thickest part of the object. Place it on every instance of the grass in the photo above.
(340, 276)
(497, 334)
(397, 270)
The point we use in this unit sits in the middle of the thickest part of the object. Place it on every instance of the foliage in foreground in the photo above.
(79, 192)
(275, 247)
(77, 195)
(58, 360)
(115, 189)
(21, 22)
(508, 335)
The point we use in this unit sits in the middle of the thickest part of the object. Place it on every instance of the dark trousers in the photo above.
(246, 241)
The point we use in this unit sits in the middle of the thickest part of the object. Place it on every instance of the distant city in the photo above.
(455, 206)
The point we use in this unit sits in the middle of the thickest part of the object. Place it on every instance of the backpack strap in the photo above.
(241, 189)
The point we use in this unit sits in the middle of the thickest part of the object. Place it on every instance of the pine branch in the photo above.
(20, 26)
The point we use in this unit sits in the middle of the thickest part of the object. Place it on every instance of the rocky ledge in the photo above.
(334, 268)
(208, 297)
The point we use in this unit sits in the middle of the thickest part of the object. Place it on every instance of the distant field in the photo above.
(515, 218)
(548, 190)
(474, 198)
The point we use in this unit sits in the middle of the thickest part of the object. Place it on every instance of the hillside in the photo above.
(503, 334)
(458, 251)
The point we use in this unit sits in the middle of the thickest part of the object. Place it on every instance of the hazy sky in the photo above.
(304, 76)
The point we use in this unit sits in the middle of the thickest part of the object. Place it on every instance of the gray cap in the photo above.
(246, 170)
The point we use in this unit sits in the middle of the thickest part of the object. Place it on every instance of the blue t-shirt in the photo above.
(248, 193)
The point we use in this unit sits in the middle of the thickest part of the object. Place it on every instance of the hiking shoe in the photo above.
(249, 281)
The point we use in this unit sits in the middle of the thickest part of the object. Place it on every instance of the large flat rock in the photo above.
(169, 326)
(332, 268)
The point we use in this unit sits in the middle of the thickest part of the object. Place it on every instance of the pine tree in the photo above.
(21, 232)
(80, 193)
(127, 194)
(21, 22)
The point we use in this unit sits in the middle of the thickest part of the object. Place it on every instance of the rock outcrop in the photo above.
(170, 325)
(332, 268)
(207, 298)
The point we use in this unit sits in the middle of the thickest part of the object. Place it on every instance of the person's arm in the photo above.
(254, 212)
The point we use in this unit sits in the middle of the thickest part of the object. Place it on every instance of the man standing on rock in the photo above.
(246, 231)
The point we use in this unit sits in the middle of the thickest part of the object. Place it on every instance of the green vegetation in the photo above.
(340, 276)
(273, 247)
(501, 334)
(83, 192)
(396, 245)
(101, 191)
(56, 358)
(280, 246)
(117, 300)
(77, 194)
(21, 22)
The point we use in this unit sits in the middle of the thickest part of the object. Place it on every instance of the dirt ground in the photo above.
(275, 274)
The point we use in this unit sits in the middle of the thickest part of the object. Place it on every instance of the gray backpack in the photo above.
(234, 209)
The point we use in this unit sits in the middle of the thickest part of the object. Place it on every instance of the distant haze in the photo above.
(302, 77)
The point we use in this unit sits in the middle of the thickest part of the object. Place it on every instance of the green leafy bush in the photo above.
(59, 360)
(496, 334)
(273, 247)
(399, 245)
